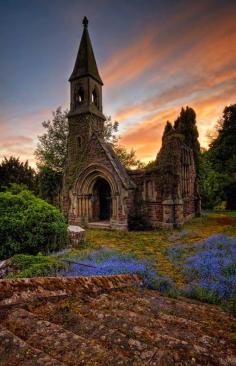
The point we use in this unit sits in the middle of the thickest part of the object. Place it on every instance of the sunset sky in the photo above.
(153, 57)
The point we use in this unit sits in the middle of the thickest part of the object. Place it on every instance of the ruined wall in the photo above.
(169, 192)
(149, 194)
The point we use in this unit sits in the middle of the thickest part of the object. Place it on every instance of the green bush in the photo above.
(29, 225)
(33, 266)
(137, 221)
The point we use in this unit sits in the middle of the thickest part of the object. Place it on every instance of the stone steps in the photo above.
(99, 225)
(139, 337)
(15, 352)
(64, 346)
(182, 309)
(108, 336)
(109, 321)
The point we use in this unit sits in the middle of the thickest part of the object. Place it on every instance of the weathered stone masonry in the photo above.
(97, 188)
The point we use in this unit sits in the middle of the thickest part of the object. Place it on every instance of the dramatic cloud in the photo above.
(202, 75)
(168, 55)
(23, 146)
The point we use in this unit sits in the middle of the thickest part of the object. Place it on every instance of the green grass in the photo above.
(150, 245)
(34, 266)
(153, 245)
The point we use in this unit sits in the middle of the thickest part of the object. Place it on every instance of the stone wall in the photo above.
(168, 193)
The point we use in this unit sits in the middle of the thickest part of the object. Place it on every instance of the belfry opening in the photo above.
(101, 200)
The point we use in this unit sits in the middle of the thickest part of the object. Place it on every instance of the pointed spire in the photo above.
(85, 64)
(85, 22)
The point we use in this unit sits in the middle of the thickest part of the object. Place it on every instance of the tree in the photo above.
(48, 184)
(212, 183)
(128, 158)
(12, 170)
(167, 131)
(185, 124)
(222, 153)
(51, 149)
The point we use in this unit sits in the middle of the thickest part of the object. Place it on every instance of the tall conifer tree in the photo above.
(186, 125)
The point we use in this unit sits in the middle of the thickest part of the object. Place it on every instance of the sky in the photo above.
(153, 56)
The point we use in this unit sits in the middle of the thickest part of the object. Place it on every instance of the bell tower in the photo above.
(85, 117)
(86, 86)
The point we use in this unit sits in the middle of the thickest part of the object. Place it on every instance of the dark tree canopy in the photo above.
(186, 125)
(12, 170)
(48, 184)
(167, 131)
(222, 152)
(52, 147)
(218, 164)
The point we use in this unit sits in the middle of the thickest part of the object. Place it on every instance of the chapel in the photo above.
(98, 191)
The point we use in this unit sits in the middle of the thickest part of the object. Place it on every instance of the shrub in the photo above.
(137, 221)
(29, 225)
(32, 266)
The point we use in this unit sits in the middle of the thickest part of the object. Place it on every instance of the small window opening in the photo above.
(95, 98)
(81, 95)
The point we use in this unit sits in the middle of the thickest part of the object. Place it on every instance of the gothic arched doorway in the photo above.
(101, 199)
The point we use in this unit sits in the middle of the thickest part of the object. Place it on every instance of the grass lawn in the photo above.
(199, 259)
(154, 245)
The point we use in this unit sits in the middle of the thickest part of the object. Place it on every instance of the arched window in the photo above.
(80, 96)
(95, 97)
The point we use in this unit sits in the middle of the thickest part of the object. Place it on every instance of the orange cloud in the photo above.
(23, 146)
(146, 136)
(148, 48)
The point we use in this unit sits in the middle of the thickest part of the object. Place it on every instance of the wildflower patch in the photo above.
(105, 261)
(209, 268)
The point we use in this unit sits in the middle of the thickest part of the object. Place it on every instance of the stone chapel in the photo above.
(98, 191)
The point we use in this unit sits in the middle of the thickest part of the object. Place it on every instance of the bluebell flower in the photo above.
(211, 270)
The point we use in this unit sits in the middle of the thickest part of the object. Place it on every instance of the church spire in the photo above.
(85, 64)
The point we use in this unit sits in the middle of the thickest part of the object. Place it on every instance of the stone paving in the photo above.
(108, 320)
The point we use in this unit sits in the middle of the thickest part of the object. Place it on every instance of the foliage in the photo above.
(128, 158)
(138, 221)
(137, 218)
(48, 184)
(212, 184)
(51, 153)
(167, 251)
(185, 124)
(222, 154)
(12, 170)
(110, 131)
(167, 131)
(152, 164)
(210, 269)
(26, 266)
(52, 148)
(105, 261)
(29, 225)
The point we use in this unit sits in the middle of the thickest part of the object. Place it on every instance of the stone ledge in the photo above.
(17, 291)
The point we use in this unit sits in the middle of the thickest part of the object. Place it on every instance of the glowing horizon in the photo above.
(153, 61)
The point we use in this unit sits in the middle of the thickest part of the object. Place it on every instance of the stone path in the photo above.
(108, 321)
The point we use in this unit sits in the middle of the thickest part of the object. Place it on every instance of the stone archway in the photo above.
(101, 200)
(96, 195)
